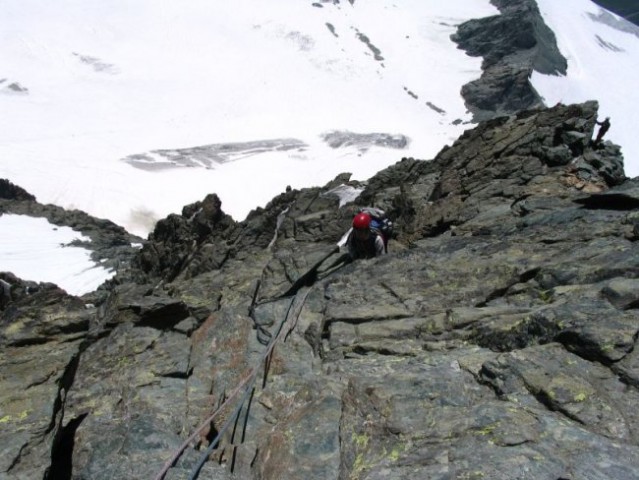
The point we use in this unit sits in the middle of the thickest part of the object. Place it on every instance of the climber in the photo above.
(604, 127)
(365, 241)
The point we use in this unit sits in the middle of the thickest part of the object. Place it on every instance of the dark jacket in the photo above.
(369, 248)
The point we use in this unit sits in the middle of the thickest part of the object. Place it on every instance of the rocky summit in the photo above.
(496, 340)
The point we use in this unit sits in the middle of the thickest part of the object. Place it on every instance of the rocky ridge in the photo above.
(512, 44)
(496, 340)
(110, 245)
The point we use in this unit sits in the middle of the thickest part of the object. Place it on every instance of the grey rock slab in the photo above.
(565, 383)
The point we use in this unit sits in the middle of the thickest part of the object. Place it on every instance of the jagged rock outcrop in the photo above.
(512, 44)
(496, 340)
(176, 240)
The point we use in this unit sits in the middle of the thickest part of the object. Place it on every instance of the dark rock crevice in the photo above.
(62, 447)
(523, 278)
(64, 384)
(16, 460)
(610, 201)
(62, 451)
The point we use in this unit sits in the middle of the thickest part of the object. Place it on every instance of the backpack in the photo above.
(379, 223)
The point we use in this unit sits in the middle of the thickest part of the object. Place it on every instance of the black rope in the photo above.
(244, 425)
(249, 389)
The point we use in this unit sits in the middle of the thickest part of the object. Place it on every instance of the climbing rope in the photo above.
(247, 382)
(231, 420)
(266, 338)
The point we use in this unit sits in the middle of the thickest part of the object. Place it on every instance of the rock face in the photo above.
(513, 44)
(496, 340)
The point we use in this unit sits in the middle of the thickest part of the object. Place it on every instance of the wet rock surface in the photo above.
(496, 340)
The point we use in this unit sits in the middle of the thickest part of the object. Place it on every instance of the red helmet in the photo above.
(361, 221)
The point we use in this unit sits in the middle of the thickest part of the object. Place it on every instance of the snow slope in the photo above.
(33, 248)
(107, 80)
